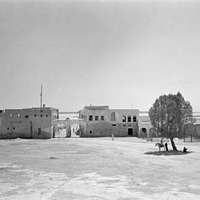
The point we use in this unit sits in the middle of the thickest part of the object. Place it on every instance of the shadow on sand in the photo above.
(167, 153)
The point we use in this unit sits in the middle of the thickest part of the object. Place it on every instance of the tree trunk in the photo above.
(173, 144)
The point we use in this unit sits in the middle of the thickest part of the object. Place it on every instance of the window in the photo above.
(26, 116)
(96, 118)
(7, 128)
(102, 118)
(90, 132)
(129, 118)
(11, 115)
(40, 115)
(90, 118)
(18, 115)
(35, 115)
(123, 118)
(46, 115)
(13, 128)
(113, 124)
(134, 119)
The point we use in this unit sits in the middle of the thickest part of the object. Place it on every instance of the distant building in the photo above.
(28, 123)
(193, 129)
(100, 121)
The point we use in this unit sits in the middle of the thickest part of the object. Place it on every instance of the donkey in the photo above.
(160, 145)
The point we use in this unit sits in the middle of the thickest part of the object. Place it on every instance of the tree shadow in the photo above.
(167, 153)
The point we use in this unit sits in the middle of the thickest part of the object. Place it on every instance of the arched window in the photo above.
(123, 118)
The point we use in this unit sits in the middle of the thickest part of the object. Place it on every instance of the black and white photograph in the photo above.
(99, 99)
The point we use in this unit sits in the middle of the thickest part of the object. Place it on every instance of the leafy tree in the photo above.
(169, 114)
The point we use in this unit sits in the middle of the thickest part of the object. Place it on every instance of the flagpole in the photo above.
(41, 97)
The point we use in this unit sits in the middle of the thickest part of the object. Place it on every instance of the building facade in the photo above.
(144, 125)
(28, 123)
(100, 121)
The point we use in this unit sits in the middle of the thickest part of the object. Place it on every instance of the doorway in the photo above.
(144, 130)
(130, 132)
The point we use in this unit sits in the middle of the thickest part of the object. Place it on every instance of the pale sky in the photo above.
(118, 53)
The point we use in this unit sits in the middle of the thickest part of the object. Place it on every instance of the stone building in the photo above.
(100, 121)
(28, 123)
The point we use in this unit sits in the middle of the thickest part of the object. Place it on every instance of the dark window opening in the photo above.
(40, 115)
(26, 116)
(113, 124)
(123, 118)
(90, 118)
(134, 119)
(46, 115)
(7, 128)
(35, 115)
(129, 118)
(90, 132)
(102, 118)
(96, 118)
(13, 128)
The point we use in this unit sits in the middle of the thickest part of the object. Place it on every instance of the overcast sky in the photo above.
(118, 53)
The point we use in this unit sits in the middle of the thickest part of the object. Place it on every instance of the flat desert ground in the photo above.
(96, 168)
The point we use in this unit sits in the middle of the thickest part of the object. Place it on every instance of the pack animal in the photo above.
(160, 146)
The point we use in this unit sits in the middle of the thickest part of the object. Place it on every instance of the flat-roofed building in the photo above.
(28, 123)
(100, 121)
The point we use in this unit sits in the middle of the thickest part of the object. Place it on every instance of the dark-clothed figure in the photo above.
(166, 146)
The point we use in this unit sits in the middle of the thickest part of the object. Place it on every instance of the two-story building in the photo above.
(28, 123)
(100, 121)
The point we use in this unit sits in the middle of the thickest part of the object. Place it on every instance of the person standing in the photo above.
(166, 146)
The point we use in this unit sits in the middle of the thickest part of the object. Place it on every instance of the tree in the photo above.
(169, 114)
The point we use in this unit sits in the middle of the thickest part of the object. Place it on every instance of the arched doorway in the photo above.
(143, 132)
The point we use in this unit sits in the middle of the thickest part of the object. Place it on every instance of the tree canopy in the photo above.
(169, 114)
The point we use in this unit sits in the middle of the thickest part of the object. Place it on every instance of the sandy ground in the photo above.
(99, 168)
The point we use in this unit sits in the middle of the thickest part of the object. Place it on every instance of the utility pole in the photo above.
(41, 97)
